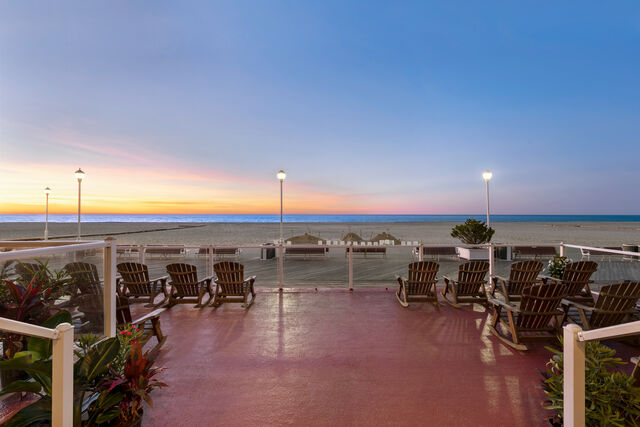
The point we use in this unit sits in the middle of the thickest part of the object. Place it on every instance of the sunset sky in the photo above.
(370, 107)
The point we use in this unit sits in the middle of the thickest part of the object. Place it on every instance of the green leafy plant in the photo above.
(136, 382)
(611, 398)
(556, 266)
(473, 232)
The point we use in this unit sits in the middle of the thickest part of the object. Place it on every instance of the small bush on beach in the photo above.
(473, 232)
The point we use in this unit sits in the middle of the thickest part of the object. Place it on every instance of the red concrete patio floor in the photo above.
(339, 358)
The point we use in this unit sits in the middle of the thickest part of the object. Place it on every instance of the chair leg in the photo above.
(157, 331)
(402, 299)
(454, 301)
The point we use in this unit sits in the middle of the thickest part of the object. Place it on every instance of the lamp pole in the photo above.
(79, 175)
(487, 175)
(281, 176)
(47, 190)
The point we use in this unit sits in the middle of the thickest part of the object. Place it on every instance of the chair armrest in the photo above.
(160, 279)
(206, 279)
(249, 279)
(500, 278)
(149, 316)
(545, 278)
(448, 279)
(508, 306)
(400, 278)
(577, 305)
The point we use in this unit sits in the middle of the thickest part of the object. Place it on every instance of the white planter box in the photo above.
(473, 254)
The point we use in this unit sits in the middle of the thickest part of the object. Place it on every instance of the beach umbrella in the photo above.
(352, 237)
(304, 239)
(386, 236)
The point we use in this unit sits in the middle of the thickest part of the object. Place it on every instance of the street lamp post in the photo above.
(47, 191)
(281, 176)
(79, 175)
(487, 175)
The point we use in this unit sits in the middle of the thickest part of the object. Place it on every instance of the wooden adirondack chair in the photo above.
(185, 286)
(420, 285)
(522, 275)
(137, 285)
(149, 323)
(87, 294)
(231, 286)
(537, 317)
(470, 286)
(576, 277)
(616, 304)
(27, 270)
(85, 278)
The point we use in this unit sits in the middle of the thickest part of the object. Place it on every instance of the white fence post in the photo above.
(62, 377)
(492, 260)
(573, 386)
(210, 257)
(109, 291)
(420, 252)
(281, 266)
(562, 249)
(351, 267)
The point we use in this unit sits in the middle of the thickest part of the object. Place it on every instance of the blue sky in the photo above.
(370, 107)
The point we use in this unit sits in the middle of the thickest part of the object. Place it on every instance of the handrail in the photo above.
(617, 331)
(611, 251)
(61, 369)
(40, 243)
(38, 252)
(22, 328)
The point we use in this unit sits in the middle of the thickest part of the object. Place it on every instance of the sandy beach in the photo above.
(586, 233)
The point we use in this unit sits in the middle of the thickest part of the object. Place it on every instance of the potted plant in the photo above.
(611, 397)
(556, 266)
(473, 232)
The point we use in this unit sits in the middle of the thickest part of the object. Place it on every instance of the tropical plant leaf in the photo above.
(97, 359)
(22, 386)
(44, 346)
(39, 411)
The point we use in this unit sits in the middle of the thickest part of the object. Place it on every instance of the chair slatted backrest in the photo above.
(422, 277)
(523, 274)
(28, 270)
(471, 276)
(123, 310)
(539, 304)
(230, 277)
(184, 278)
(614, 303)
(577, 274)
(85, 277)
(135, 277)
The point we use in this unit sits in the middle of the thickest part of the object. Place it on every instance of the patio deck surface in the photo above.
(335, 357)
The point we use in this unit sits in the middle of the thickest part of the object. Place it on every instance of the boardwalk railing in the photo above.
(574, 365)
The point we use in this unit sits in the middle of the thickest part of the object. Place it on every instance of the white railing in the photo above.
(141, 251)
(574, 365)
(33, 249)
(62, 365)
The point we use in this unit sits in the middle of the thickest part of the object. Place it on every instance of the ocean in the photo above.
(319, 218)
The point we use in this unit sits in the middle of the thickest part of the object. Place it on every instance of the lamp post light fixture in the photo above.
(47, 191)
(79, 175)
(487, 175)
(281, 176)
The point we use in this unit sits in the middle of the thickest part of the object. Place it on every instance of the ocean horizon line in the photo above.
(315, 218)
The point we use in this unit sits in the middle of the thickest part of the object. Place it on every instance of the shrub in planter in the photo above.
(556, 266)
(611, 397)
(473, 232)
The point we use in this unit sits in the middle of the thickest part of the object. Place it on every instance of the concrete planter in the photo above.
(473, 254)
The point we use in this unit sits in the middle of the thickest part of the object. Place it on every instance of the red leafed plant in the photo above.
(136, 383)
